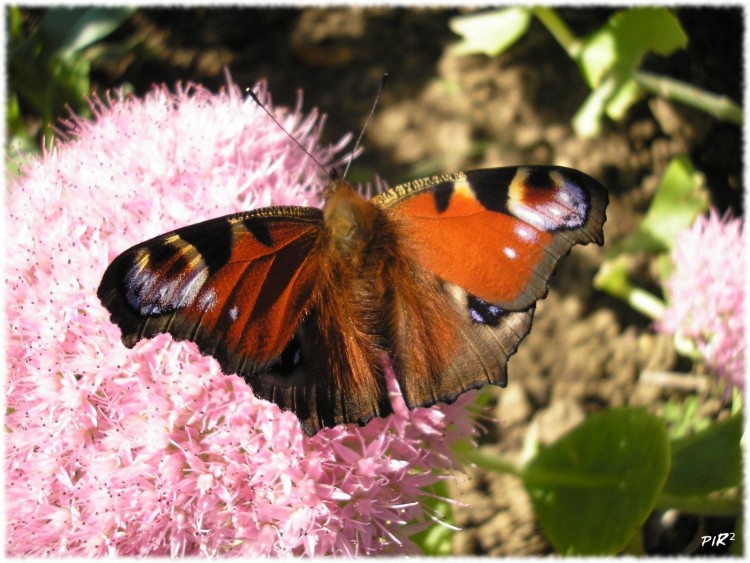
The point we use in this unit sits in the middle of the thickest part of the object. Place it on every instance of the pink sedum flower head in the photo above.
(707, 294)
(153, 451)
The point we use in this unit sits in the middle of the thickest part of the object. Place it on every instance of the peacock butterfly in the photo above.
(440, 274)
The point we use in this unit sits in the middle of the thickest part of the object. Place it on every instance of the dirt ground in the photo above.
(439, 112)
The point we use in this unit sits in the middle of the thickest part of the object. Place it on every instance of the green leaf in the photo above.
(612, 97)
(678, 200)
(490, 33)
(611, 55)
(613, 278)
(67, 31)
(682, 418)
(49, 70)
(626, 38)
(15, 24)
(708, 461)
(594, 488)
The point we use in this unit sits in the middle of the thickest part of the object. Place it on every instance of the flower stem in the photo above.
(489, 461)
(613, 278)
(720, 107)
(646, 303)
(559, 30)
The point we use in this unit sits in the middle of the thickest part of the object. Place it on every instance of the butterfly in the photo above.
(440, 276)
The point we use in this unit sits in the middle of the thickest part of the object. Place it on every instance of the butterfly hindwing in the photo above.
(489, 337)
(479, 356)
(314, 377)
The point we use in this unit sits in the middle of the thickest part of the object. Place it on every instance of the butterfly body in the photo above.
(439, 277)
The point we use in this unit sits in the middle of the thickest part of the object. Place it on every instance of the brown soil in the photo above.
(587, 351)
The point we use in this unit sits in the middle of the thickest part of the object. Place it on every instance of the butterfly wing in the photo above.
(498, 233)
(237, 286)
(492, 239)
(249, 289)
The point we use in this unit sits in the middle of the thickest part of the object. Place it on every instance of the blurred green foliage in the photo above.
(683, 418)
(707, 461)
(49, 68)
(437, 538)
(593, 489)
(678, 200)
(609, 58)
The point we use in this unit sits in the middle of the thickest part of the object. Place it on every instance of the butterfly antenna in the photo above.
(328, 174)
(369, 117)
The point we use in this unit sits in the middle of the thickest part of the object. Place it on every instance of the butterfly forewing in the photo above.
(498, 233)
(237, 286)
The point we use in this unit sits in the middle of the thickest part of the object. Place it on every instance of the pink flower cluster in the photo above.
(707, 294)
(153, 451)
